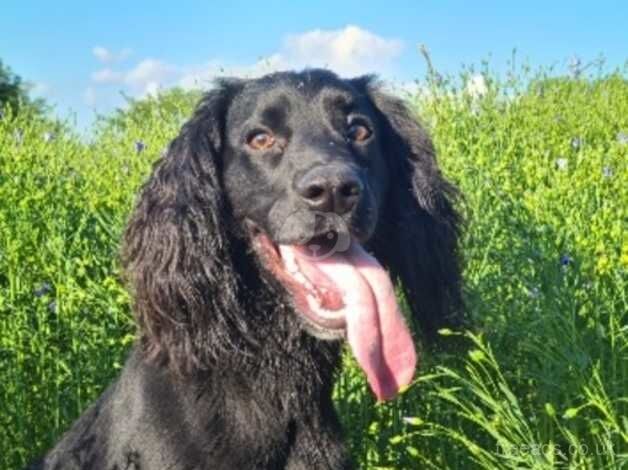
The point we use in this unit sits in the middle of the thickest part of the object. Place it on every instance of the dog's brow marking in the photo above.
(274, 115)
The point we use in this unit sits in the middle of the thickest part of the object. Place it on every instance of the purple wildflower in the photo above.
(52, 306)
(622, 138)
(139, 146)
(607, 172)
(42, 290)
(576, 143)
(566, 260)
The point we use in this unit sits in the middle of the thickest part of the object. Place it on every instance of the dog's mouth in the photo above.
(346, 293)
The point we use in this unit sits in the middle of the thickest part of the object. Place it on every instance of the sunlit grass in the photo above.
(542, 380)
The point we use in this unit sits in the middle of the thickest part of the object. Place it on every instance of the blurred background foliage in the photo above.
(539, 382)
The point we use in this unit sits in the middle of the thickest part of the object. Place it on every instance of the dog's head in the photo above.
(303, 160)
(313, 172)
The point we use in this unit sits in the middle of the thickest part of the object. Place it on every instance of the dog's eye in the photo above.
(358, 132)
(261, 140)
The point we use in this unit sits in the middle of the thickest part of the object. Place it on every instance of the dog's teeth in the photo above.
(291, 266)
(313, 301)
(301, 278)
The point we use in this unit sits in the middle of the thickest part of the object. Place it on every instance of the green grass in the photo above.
(540, 382)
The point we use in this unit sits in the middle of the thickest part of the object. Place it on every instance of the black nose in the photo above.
(330, 189)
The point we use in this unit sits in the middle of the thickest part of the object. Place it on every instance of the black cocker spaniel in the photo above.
(273, 228)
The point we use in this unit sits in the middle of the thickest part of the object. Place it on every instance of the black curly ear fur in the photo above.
(417, 235)
(177, 254)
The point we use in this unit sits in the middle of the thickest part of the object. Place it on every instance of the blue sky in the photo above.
(81, 56)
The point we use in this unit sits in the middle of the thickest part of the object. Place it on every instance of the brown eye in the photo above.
(358, 132)
(261, 140)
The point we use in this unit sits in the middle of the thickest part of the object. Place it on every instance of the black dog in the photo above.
(247, 258)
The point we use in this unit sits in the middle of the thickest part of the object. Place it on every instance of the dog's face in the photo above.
(303, 161)
(334, 187)
(304, 168)
(304, 171)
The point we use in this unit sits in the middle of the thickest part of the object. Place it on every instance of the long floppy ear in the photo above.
(176, 251)
(417, 235)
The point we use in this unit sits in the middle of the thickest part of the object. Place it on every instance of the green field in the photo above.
(540, 382)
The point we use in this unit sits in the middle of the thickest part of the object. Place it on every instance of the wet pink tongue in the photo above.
(376, 330)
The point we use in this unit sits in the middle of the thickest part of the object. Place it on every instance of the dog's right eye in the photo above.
(261, 140)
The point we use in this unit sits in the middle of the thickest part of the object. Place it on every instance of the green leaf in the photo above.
(571, 413)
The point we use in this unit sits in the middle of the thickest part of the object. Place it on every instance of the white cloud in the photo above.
(107, 75)
(201, 76)
(145, 78)
(101, 53)
(150, 71)
(152, 88)
(106, 56)
(349, 51)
